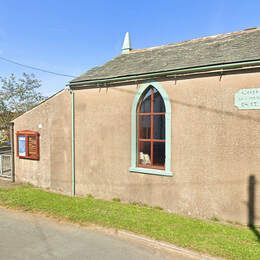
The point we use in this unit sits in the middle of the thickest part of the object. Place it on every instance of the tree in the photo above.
(18, 96)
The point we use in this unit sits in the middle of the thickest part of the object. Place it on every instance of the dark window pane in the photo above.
(145, 127)
(158, 153)
(146, 102)
(159, 127)
(158, 102)
(144, 153)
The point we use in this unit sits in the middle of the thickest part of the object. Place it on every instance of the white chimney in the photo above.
(127, 44)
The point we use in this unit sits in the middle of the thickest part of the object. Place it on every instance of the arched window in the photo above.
(151, 131)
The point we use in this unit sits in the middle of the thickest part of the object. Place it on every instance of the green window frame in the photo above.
(134, 165)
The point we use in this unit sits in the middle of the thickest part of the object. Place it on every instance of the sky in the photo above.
(71, 37)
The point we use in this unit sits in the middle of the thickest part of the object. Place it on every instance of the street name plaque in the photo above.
(248, 98)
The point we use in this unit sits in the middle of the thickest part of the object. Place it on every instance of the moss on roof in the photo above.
(219, 49)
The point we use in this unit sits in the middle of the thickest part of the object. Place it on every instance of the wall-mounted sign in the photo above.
(248, 98)
(28, 145)
(21, 142)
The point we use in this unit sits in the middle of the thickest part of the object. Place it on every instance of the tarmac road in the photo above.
(29, 236)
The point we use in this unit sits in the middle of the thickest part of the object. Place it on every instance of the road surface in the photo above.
(28, 236)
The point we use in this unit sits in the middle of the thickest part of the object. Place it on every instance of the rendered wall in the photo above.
(53, 170)
(215, 148)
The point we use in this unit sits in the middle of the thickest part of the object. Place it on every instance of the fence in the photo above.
(6, 165)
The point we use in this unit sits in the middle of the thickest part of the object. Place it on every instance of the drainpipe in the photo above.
(12, 151)
(72, 143)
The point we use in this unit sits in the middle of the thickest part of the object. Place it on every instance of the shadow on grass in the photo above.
(256, 232)
(251, 206)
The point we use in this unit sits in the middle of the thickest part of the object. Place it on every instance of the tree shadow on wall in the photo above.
(251, 206)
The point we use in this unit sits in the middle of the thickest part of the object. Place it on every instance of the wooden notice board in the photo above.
(28, 145)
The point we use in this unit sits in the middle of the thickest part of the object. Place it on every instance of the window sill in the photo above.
(151, 171)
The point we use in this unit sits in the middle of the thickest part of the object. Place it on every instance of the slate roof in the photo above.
(219, 49)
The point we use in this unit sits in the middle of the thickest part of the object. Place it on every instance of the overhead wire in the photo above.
(36, 68)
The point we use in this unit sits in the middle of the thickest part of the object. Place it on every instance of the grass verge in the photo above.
(203, 236)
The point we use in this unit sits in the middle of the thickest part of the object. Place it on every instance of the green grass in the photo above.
(204, 236)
